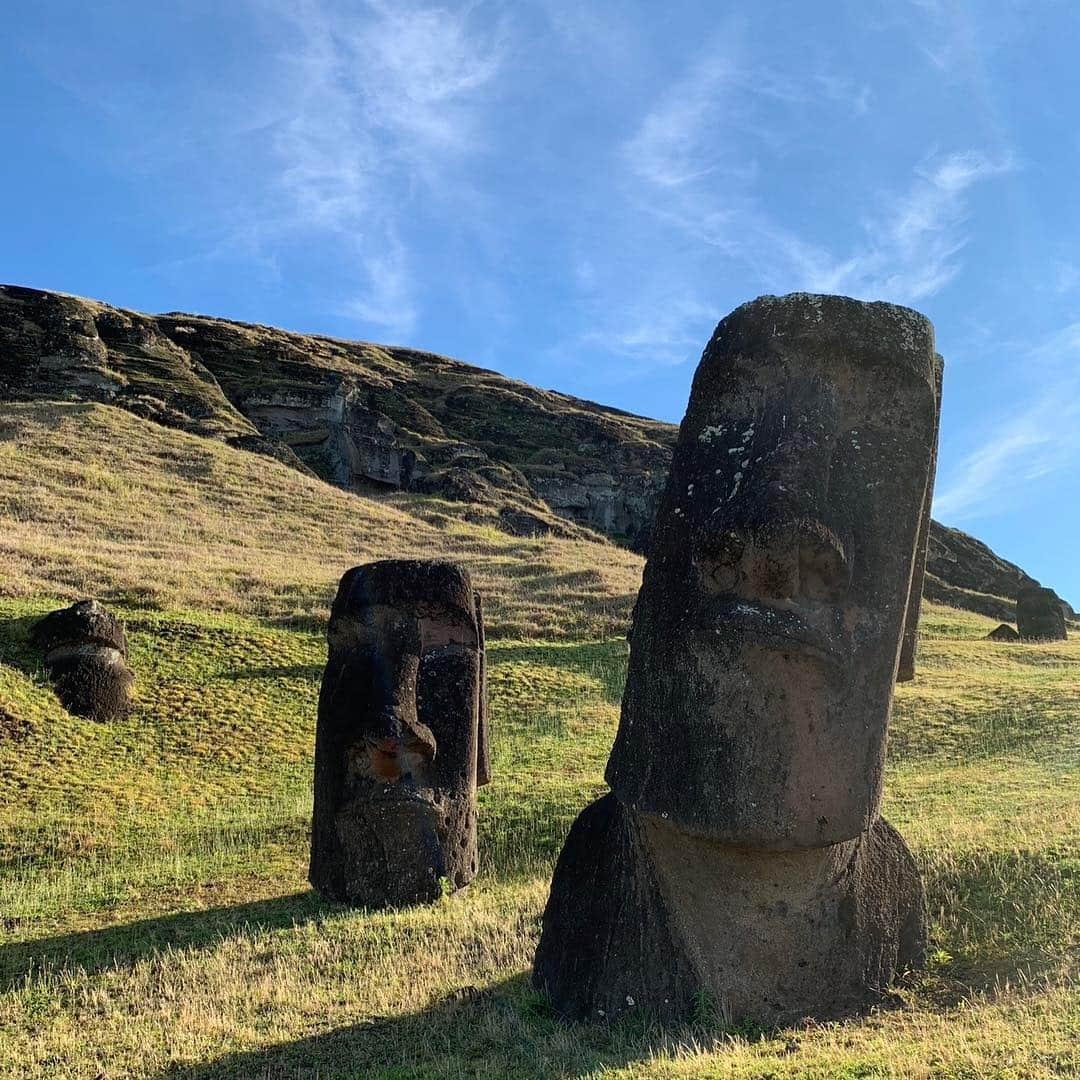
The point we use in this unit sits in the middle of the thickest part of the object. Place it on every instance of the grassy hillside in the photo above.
(95, 501)
(154, 915)
(157, 920)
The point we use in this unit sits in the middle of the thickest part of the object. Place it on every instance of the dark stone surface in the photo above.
(767, 630)
(1040, 615)
(775, 936)
(909, 648)
(85, 654)
(1004, 632)
(401, 742)
(741, 852)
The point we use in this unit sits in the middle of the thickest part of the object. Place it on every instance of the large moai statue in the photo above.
(740, 852)
(401, 744)
(85, 652)
(1040, 615)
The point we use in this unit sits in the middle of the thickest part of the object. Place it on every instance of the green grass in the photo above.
(155, 919)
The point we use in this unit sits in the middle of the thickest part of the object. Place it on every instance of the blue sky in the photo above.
(574, 193)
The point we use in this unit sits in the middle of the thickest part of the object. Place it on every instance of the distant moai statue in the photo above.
(740, 851)
(86, 654)
(909, 650)
(401, 744)
(1040, 615)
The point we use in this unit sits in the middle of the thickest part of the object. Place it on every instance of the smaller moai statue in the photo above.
(402, 738)
(86, 655)
(1039, 614)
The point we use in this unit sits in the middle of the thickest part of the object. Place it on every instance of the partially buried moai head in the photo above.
(402, 735)
(85, 653)
(768, 626)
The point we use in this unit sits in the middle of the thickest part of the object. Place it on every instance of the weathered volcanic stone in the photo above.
(1004, 632)
(1040, 615)
(86, 658)
(910, 646)
(401, 743)
(741, 851)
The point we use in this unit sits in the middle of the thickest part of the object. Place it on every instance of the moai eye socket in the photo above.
(823, 573)
(720, 564)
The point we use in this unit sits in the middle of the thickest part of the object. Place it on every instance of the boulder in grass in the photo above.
(740, 852)
(401, 743)
(85, 654)
(1040, 614)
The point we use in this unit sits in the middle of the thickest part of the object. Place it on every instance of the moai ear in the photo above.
(910, 642)
(483, 747)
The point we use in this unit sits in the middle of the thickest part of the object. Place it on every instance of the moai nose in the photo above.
(397, 740)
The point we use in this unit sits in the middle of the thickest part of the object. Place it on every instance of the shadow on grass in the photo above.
(16, 647)
(95, 950)
(503, 1030)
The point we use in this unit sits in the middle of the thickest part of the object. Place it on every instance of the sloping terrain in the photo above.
(97, 502)
(155, 919)
(380, 420)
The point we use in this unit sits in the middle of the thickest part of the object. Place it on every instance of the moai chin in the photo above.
(740, 851)
(401, 744)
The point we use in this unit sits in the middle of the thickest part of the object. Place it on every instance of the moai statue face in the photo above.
(402, 736)
(767, 631)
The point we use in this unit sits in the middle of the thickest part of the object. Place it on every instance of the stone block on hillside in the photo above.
(1040, 614)
(740, 852)
(1003, 632)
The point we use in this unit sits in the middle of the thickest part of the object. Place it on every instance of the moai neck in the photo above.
(765, 930)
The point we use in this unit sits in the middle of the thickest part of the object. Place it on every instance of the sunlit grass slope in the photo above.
(154, 915)
(96, 502)
(156, 919)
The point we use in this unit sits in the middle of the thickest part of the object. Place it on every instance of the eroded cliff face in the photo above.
(384, 419)
(359, 415)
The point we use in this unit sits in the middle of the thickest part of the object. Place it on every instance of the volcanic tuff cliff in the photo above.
(375, 417)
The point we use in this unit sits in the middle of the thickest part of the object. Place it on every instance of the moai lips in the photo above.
(742, 828)
(401, 744)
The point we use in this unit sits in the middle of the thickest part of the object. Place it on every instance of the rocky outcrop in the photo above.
(381, 419)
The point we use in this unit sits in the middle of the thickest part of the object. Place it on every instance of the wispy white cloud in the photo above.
(694, 156)
(1040, 439)
(381, 107)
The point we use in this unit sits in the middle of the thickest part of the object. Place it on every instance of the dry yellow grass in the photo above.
(96, 502)
(154, 917)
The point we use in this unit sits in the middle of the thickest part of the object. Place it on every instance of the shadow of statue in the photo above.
(124, 945)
